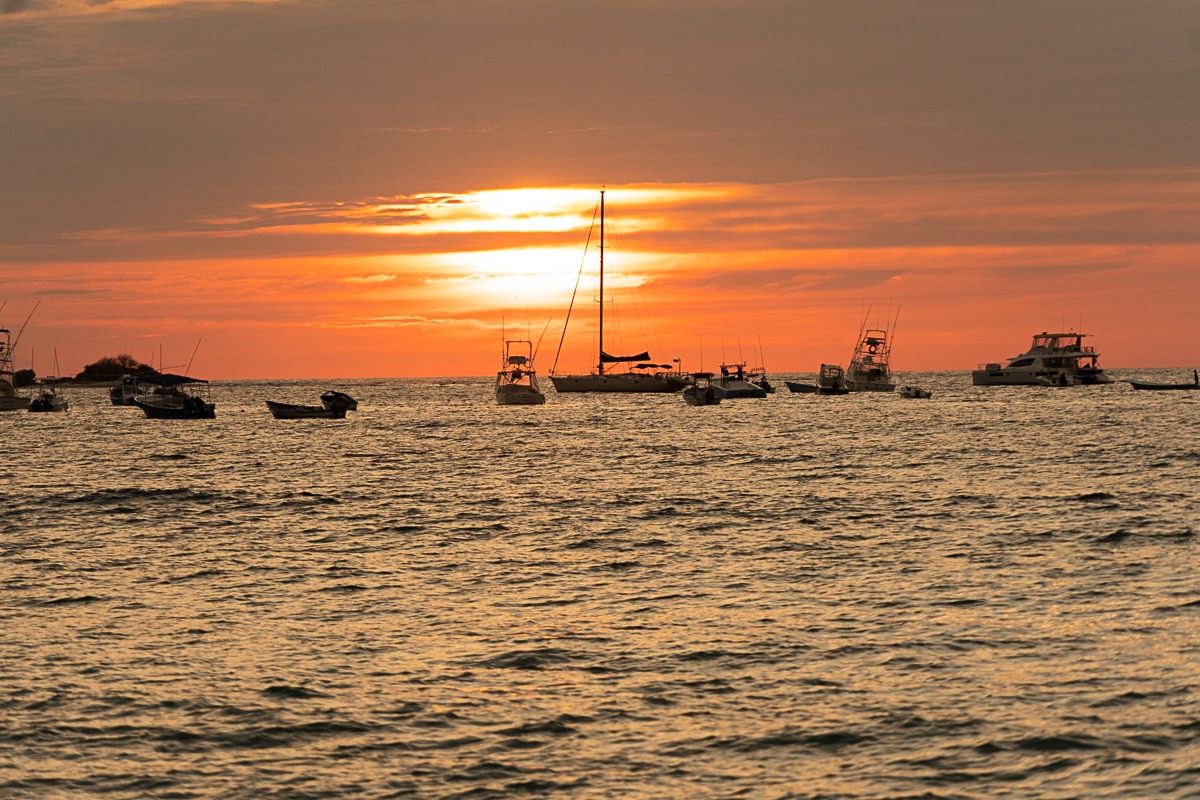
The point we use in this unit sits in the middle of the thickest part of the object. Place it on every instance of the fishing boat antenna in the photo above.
(193, 358)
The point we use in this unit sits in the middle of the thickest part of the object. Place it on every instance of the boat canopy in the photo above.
(605, 358)
(167, 379)
(652, 366)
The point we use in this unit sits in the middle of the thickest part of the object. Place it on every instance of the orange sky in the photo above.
(335, 190)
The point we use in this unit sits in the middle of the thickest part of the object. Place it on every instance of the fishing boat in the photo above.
(870, 370)
(758, 377)
(642, 377)
(915, 393)
(123, 392)
(832, 380)
(701, 392)
(334, 405)
(9, 399)
(516, 382)
(47, 398)
(734, 383)
(161, 396)
(1054, 359)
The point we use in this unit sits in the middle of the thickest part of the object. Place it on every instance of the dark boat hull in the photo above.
(1161, 387)
(291, 411)
(195, 409)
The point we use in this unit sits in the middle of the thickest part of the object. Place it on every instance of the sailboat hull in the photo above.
(623, 382)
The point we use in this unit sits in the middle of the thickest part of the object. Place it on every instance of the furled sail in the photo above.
(605, 358)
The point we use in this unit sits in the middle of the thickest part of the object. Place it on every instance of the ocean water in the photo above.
(992, 593)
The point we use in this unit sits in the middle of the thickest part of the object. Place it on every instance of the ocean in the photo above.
(992, 593)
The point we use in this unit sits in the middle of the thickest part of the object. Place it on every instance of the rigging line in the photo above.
(574, 291)
(193, 358)
(18, 340)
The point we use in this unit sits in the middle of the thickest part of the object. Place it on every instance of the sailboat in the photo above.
(648, 378)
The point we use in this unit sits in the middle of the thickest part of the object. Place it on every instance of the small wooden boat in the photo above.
(915, 392)
(293, 411)
(801, 388)
(334, 405)
(1159, 387)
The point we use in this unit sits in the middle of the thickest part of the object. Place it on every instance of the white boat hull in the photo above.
(518, 395)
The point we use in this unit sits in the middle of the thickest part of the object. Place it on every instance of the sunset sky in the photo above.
(374, 188)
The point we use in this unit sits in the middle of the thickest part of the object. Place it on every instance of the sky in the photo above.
(389, 188)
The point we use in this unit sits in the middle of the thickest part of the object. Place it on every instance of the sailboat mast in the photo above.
(601, 365)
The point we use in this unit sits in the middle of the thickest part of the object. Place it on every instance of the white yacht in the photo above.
(516, 382)
(651, 378)
(1055, 359)
(9, 399)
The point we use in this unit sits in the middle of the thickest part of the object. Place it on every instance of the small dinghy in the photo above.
(915, 392)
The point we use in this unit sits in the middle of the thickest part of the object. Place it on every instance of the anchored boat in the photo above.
(643, 381)
(1054, 359)
(516, 382)
(161, 396)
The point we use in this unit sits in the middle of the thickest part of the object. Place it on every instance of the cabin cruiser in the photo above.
(1054, 359)
(516, 382)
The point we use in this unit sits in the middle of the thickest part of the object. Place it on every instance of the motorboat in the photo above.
(123, 392)
(1054, 359)
(832, 380)
(161, 396)
(516, 382)
(915, 392)
(701, 392)
(334, 405)
(48, 398)
(734, 383)
(869, 366)
(642, 378)
(801, 388)
(758, 377)
(9, 399)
